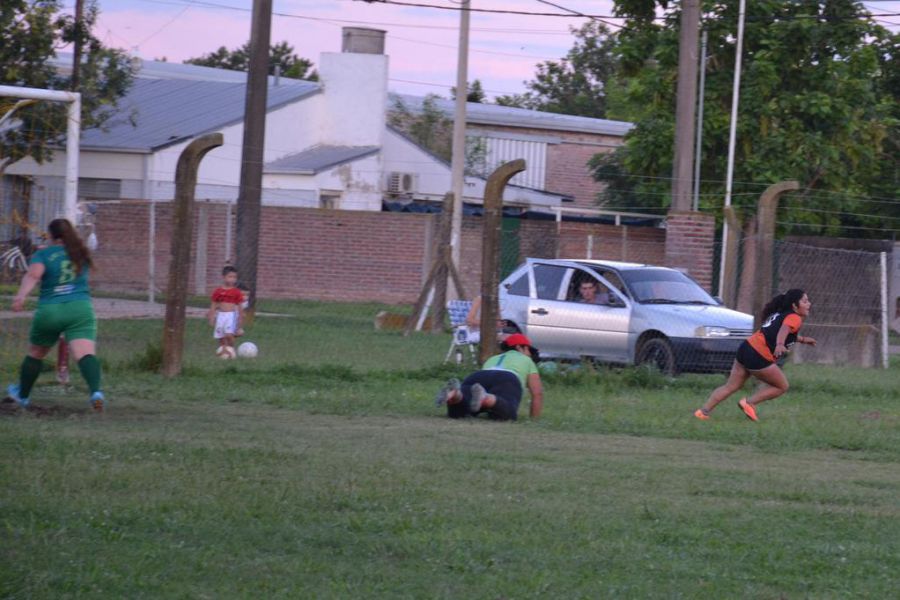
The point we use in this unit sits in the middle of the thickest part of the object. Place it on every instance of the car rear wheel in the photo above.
(657, 353)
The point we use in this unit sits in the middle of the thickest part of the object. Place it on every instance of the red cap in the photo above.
(517, 339)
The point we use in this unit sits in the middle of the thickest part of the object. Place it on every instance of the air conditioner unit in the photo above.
(401, 183)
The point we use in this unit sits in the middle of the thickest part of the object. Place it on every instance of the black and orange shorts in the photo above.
(750, 358)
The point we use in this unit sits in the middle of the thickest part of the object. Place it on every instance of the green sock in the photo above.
(90, 370)
(28, 374)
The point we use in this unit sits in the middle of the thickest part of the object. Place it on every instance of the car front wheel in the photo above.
(657, 353)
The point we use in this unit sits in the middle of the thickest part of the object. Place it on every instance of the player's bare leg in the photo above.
(776, 385)
(736, 380)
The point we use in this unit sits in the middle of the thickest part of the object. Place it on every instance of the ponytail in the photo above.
(61, 229)
(782, 303)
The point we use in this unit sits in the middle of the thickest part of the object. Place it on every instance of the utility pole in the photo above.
(698, 144)
(458, 160)
(732, 132)
(77, 45)
(686, 104)
(249, 195)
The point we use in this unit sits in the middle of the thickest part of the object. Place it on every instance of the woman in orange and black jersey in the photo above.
(759, 355)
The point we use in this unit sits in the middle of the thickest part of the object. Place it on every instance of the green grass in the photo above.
(322, 470)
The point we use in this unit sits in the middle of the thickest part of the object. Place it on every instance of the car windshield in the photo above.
(664, 286)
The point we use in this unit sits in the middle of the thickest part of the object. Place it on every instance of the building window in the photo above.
(90, 188)
(330, 199)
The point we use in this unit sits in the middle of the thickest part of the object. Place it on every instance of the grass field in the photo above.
(322, 470)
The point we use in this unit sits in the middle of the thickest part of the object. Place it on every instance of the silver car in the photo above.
(639, 314)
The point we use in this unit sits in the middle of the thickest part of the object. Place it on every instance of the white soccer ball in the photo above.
(247, 350)
(226, 352)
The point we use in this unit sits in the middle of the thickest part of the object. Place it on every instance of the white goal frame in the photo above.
(73, 135)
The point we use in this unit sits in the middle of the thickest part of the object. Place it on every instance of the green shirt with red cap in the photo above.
(514, 362)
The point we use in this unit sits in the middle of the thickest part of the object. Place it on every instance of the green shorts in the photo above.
(74, 319)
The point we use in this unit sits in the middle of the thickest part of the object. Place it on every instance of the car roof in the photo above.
(613, 264)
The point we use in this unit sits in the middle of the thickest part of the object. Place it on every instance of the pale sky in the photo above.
(421, 42)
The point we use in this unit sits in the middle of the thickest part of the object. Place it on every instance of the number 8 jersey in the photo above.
(60, 282)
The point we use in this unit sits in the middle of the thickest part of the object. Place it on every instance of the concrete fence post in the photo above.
(182, 234)
(765, 243)
(490, 252)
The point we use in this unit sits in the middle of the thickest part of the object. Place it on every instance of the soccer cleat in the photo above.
(749, 410)
(701, 415)
(478, 394)
(445, 392)
(12, 391)
(97, 402)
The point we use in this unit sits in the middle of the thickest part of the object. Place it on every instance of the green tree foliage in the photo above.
(432, 129)
(817, 105)
(280, 55)
(30, 33)
(578, 84)
(474, 93)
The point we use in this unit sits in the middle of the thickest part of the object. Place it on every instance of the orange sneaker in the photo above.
(701, 415)
(749, 410)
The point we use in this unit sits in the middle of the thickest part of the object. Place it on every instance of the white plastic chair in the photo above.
(463, 339)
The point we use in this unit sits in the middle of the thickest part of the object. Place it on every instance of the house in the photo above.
(328, 144)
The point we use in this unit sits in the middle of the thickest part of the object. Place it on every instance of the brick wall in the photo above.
(690, 239)
(321, 254)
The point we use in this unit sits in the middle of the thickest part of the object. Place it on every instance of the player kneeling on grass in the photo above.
(497, 388)
(226, 313)
(759, 355)
(64, 308)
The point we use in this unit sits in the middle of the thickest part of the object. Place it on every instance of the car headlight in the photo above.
(711, 331)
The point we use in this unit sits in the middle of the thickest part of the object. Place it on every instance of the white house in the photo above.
(327, 142)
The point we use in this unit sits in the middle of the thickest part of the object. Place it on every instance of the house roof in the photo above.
(156, 113)
(494, 114)
(318, 158)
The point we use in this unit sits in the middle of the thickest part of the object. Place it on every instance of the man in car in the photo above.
(589, 293)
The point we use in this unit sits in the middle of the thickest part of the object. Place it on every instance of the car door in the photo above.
(565, 328)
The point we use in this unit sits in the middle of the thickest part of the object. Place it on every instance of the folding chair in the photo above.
(462, 338)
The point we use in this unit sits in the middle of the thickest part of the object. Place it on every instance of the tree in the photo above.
(813, 107)
(280, 55)
(432, 129)
(30, 32)
(579, 83)
(474, 93)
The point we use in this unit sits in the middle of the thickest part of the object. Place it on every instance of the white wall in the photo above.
(433, 176)
(354, 102)
(358, 184)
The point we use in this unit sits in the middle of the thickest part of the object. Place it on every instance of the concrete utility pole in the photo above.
(76, 47)
(686, 104)
(732, 133)
(249, 196)
(698, 144)
(458, 160)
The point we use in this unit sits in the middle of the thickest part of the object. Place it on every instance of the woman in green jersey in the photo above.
(64, 308)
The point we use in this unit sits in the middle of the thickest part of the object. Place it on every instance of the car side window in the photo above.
(547, 279)
(616, 281)
(519, 287)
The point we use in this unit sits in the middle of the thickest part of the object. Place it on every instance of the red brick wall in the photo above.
(345, 255)
(690, 239)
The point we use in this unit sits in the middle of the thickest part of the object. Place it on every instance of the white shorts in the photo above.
(226, 324)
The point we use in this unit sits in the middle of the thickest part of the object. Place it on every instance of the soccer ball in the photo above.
(226, 352)
(247, 350)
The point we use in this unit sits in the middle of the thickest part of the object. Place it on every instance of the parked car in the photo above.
(647, 315)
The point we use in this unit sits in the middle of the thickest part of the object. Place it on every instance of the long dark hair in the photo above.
(782, 302)
(61, 229)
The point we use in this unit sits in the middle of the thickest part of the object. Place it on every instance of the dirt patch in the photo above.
(9, 408)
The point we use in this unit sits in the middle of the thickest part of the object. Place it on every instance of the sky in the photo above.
(421, 42)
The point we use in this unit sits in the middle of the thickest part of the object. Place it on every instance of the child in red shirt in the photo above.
(226, 312)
